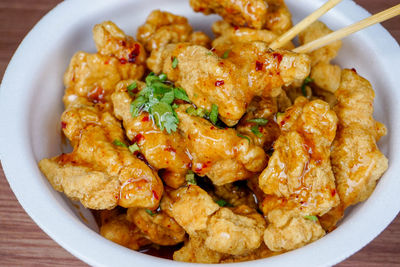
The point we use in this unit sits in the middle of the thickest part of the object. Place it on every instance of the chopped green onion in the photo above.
(243, 136)
(256, 131)
(226, 54)
(119, 143)
(133, 148)
(209, 53)
(259, 121)
(307, 80)
(190, 179)
(131, 87)
(311, 218)
(174, 62)
(214, 114)
(163, 77)
(200, 112)
(223, 203)
(150, 212)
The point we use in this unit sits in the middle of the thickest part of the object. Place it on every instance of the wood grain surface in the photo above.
(23, 243)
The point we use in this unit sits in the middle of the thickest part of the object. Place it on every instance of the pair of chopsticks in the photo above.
(329, 38)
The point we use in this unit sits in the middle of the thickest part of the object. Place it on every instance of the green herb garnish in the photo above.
(226, 54)
(214, 114)
(132, 87)
(209, 53)
(190, 179)
(157, 99)
(133, 148)
(174, 62)
(254, 129)
(307, 80)
(243, 136)
(223, 203)
(259, 121)
(311, 218)
(150, 212)
(119, 143)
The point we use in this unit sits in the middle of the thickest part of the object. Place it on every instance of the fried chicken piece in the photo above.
(288, 231)
(219, 153)
(250, 69)
(227, 35)
(94, 76)
(279, 19)
(299, 169)
(260, 108)
(162, 28)
(159, 227)
(326, 76)
(163, 151)
(324, 54)
(262, 252)
(119, 230)
(235, 195)
(94, 189)
(223, 231)
(357, 161)
(252, 13)
(112, 41)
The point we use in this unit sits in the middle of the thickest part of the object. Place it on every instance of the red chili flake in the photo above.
(63, 125)
(116, 197)
(354, 70)
(138, 138)
(219, 83)
(107, 62)
(145, 118)
(278, 57)
(236, 28)
(123, 43)
(259, 65)
(189, 165)
(135, 52)
(155, 195)
(333, 192)
(122, 61)
(200, 9)
(221, 63)
(212, 128)
(96, 95)
(213, 49)
(170, 149)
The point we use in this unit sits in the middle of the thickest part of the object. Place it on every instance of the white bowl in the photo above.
(31, 106)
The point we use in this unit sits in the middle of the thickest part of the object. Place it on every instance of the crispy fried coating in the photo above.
(219, 153)
(94, 189)
(299, 170)
(326, 76)
(166, 152)
(159, 228)
(357, 161)
(250, 13)
(119, 230)
(162, 28)
(279, 19)
(323, 54)
(250, 69)
(227, 35)
(235, 195)
(222, 231)
(288, 231)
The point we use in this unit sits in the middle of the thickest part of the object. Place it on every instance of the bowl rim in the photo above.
(15, 144)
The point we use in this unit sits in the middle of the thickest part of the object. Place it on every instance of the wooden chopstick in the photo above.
(290, 34)
(339, 34)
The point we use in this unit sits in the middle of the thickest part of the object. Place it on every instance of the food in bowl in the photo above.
(225, 154)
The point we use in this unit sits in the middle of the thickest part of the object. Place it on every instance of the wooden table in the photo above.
(23, 243)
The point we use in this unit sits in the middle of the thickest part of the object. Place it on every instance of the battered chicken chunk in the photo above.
(162, 28)
(235, 195)
(227, 35)
(119, 230)
(252, 13)
(299, 170)
(219, 153)
(323, 54)
(250, 69)
(94, 76)
(326, 76)
(157, 226)
(357, 161)
(279, 19)
(166, 152)
(224, 231)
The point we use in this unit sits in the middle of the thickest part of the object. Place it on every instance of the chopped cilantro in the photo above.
(174, 62)
(150, 212)
(254, 129)
(311, 218)
(307, 80)
(157, 99)
(214, 114)
(223, 203)
(259, 121)
(119, 143)
(243, 136)
(226, 54)
(190, 179)
(200, 112)
(133, 148)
